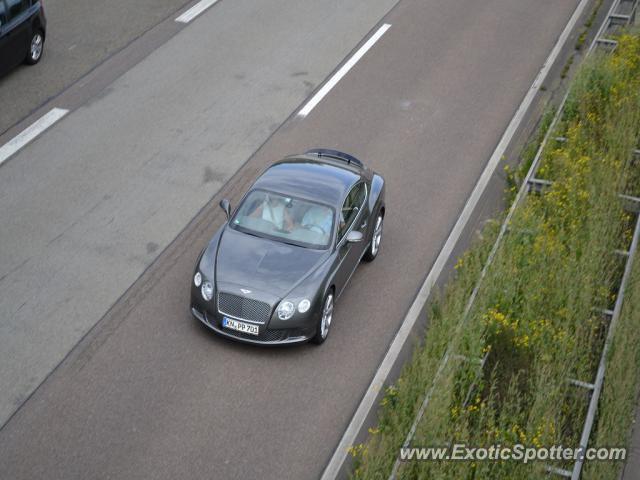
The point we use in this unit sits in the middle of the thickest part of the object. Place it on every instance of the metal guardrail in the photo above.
(602, 365)
(622, 12)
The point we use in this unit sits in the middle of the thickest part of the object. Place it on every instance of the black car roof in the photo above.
(322, 180)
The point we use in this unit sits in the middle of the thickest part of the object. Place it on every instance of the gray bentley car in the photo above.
(272, 273)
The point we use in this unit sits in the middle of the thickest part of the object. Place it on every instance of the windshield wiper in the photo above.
(248, 232)
(273, 238)
(281, 240)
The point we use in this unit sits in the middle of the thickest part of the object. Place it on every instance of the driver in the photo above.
(273, 209)
(318, 216)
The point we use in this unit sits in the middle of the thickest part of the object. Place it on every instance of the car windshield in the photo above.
(291, 220)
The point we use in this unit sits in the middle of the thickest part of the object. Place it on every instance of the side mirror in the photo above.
(226, 206)
(354, 236)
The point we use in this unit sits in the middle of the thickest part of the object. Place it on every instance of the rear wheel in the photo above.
(376, 239)
(35, 47)
(322, 331)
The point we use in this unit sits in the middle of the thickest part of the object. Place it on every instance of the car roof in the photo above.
(325, 181)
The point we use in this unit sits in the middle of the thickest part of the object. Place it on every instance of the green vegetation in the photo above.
(514, 178)
(619, 397)
(567, 66)
(535, 316)
(587, 25)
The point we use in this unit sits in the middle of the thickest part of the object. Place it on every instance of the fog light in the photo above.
(207, 291)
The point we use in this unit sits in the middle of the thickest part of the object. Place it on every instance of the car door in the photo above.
(4, 42)
(351, 217)
(16, 32)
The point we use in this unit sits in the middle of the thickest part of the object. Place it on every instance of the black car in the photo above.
(22, 33)
(271, 273)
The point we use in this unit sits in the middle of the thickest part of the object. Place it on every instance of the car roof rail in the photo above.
(336, 155)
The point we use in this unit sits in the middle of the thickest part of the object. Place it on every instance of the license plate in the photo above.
(240, 326)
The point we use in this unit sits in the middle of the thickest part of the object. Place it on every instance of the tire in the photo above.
(324, 323)
(376, 238)
(36, 47)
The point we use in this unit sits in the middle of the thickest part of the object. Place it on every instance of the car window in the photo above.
(286, 219)
(352, 205)
(16, 7)
(3, 17)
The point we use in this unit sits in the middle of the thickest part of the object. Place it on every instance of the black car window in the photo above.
(3, 17)
(16, 7)
(352, 205)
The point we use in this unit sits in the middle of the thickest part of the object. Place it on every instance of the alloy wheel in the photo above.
(36, 47)
(327, 315)
(377, 236)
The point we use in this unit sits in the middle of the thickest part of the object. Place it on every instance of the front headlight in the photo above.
(304, 305)
(286, 310)
(207, 290)
(197, 279)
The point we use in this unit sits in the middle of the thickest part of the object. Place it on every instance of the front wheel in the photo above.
(376, 239)
(35, 48)
(322, 331)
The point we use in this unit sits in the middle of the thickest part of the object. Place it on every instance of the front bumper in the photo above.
(284, 336)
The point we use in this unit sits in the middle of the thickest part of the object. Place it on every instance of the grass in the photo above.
(567, 66)
(587, 25)
(514, 177)
(620, 394)
(534, 316)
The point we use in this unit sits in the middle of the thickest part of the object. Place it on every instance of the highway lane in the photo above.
(80, 35)
(87, 206)
(151, 394)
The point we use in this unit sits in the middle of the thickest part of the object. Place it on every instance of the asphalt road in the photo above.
(80, 35)
(91, 203)
(149, 393)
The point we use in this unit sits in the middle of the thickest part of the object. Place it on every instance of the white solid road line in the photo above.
(348, 439)
(304, 111)
(31, 132)
(196, 10)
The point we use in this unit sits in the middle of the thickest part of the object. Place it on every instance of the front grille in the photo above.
(266, 336)
(243, 308)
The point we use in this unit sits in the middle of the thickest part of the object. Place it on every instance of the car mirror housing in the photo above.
(354, 236)
(226, 206)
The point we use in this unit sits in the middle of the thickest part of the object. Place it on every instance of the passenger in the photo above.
(273, 209)
(318, 218)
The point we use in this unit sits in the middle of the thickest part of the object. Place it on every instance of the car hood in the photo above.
(261, 264)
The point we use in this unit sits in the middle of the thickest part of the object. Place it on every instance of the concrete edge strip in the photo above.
(18, 142)
(340, 454)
